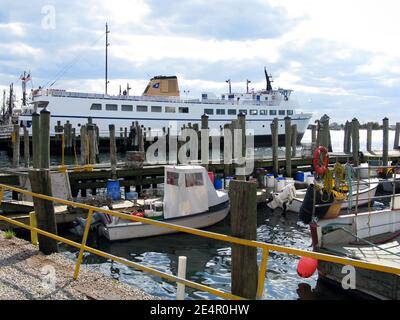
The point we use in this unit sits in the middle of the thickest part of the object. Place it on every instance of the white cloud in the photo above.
(18, 29)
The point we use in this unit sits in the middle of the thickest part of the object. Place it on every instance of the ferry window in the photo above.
(141, 108)
(95, 106)
(209, 111)
(111, 107)
(126, 107)
(194, 179)
(156, 109)
(183, 110)
(263, 112)
(170, 109)
(232, 112)
(173, 178)
(272, 112)
(231, 96)
(243, 111)
(253, 112)
(290, 112)
(221, 111)
(281, 112)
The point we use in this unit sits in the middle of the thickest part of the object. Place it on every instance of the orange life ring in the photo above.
(320, 169)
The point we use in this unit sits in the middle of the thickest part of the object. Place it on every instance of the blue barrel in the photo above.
(218, 183)
(299, 176)
(114, 189)
(131, 196)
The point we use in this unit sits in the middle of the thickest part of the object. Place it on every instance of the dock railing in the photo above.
(266, 248)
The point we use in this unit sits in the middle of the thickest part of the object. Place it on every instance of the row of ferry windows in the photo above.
(253, 112)
(158, 109)
(125, 107)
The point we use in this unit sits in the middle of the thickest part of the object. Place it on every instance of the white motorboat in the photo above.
(366, 191)
(190, 200)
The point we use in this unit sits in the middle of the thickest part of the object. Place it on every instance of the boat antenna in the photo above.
(269, 81)
(107, 45)
(230, 85)
(247, 85)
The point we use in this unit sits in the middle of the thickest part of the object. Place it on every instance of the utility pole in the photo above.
(107, 44)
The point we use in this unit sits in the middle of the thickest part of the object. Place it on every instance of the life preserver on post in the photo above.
(319, 168)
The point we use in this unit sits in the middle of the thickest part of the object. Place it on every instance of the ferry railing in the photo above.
(265, 247)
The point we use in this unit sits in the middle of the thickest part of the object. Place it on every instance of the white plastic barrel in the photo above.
(279, 184)
(270, 181)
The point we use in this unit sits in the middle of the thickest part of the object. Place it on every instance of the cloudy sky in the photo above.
(341, 57)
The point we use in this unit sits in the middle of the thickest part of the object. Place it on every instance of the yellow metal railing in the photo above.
(265, 247)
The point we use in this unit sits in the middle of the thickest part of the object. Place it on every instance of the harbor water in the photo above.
(209, 261)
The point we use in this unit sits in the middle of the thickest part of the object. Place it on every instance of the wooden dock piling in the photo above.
(40, 180)
(396, 145)
(16, 146)
(369, 136)
(26, 147)
(355, 125)
(385, 147)
(244, 225)
(275, 141)
(113, 151)
(36, 140)
(242, 127)
(347, 137)
(294, 140)
(288, 146)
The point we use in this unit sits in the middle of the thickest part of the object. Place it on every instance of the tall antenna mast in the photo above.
(107, 44)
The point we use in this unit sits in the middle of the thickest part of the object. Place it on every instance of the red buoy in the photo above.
(307, 267)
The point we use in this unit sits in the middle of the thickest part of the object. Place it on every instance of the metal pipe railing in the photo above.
(265, 247)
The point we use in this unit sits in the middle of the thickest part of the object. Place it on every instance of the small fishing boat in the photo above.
(366, 191)
(369, 237)
(190, 200)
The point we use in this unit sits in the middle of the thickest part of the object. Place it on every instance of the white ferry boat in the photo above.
(161, 104)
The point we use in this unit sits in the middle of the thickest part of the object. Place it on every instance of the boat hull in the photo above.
(363, 198)
(140, 230)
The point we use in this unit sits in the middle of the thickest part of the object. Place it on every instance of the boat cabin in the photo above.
(188, 191)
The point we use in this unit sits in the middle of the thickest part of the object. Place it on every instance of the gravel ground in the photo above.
(26, 274)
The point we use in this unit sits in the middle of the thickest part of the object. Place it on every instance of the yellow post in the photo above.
(33, 224)
(261, 274)
(1, 194)
(84, 239)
